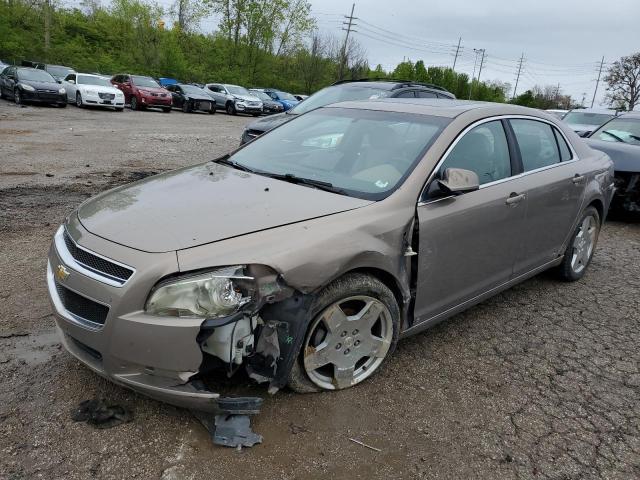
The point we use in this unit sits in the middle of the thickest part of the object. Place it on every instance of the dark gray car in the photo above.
(345, 91)
(304, 256)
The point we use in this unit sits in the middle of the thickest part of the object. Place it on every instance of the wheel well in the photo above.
(229, 102)
(386, 278)
(597, 204)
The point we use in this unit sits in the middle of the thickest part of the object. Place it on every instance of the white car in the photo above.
(86, 89)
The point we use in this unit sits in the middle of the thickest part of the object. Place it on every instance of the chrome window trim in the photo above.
(67, 258)
(574, 154)
(66, 314)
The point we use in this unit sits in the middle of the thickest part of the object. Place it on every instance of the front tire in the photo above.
(79, 100)
(354, 330)
(17, 98)
(231, 109)
(134, 103)
(212, 110)
(185, 107)
(579, 252)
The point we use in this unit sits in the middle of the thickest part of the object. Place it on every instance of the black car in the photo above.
(347, 90)
(268, 104)
(620, 139)
(24, 84)
(191, 98)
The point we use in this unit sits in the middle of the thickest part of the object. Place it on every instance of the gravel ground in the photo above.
(540, 382)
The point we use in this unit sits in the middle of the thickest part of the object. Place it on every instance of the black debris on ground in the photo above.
(101, 413)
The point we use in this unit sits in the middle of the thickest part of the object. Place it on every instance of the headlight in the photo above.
(28, 88)
(207, 295)
(62, 91)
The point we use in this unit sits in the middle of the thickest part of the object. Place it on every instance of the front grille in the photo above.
(95, 263)
(82, 307)
(107, 96)
(48, 94)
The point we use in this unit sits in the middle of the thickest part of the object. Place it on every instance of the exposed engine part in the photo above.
(231, 342)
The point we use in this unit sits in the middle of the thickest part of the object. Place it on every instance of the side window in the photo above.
(565, 152)
(408, 94)
(483, 150)
(537, 143)
(426, 94)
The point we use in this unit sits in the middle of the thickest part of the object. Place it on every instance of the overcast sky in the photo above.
(563, 41)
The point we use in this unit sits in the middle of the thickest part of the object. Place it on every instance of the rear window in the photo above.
(339, 93)
(537, 143)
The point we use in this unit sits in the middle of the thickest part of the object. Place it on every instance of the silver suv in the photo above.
(234, 98)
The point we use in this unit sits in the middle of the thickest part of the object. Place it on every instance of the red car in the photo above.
(142, 92)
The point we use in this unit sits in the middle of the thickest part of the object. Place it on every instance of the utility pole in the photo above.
(455, 59)
(597, 82)
(350, 24)
(557, 96)
(475, 63)
(481, 63)
(518, 76)
(47, 28)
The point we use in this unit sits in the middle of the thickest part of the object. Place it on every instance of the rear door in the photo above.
(555, 182)
(469, 242)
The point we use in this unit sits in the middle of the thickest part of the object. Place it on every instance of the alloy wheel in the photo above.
(134, 103)
(347, 342)
(583, 244)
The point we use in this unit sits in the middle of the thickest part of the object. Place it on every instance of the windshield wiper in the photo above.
(613, 135)
(224, 160)
(319, 184)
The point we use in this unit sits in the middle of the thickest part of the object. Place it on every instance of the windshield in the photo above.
(34, 75)
(366, 153)
(192, 89)
(286, 96)
(625, 130)
(338, 93)
(586, 118)
(235, 90)
(58, 71)
(260, 95)
(144, 81)
(90, 80)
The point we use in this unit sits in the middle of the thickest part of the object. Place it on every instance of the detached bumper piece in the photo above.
(232, 427)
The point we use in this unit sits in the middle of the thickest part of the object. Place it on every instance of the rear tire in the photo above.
(581, 247)
(340, 293)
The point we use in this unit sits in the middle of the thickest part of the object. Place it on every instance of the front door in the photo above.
(468, 242)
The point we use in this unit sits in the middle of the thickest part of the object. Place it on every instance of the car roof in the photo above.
(594, 110)
(438, 107)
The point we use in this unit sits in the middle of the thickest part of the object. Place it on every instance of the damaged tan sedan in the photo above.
(305, 255)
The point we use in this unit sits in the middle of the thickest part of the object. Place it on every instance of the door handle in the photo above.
(515, 198)
(578, 179)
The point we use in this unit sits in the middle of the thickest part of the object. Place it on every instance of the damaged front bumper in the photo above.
(101, 321)
(627, 194)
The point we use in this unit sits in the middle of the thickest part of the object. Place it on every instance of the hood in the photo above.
(100, 88)
(202, 204)
(154, 89)
(199, 96)
(42, 85)
(580, 127)
(272, 121)
(247, 98)
(626, 157)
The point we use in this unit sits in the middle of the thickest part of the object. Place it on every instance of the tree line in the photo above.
(271, 43)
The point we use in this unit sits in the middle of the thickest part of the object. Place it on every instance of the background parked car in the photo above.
(583, 121)
(191, 98)
(142, 92)
(87, 89)
(285, 99)
(620, 139)
(347, 90)
(235, 99)
(268, 105)
(59, 72)
(25, 84)
(3, 66)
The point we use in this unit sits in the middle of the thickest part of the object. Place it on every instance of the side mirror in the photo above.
(457, 181)
(72, 82)
(59, 81)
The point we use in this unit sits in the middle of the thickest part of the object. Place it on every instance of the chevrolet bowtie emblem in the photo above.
(61, 272)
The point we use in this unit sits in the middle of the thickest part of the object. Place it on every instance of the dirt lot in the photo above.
(542, 381)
